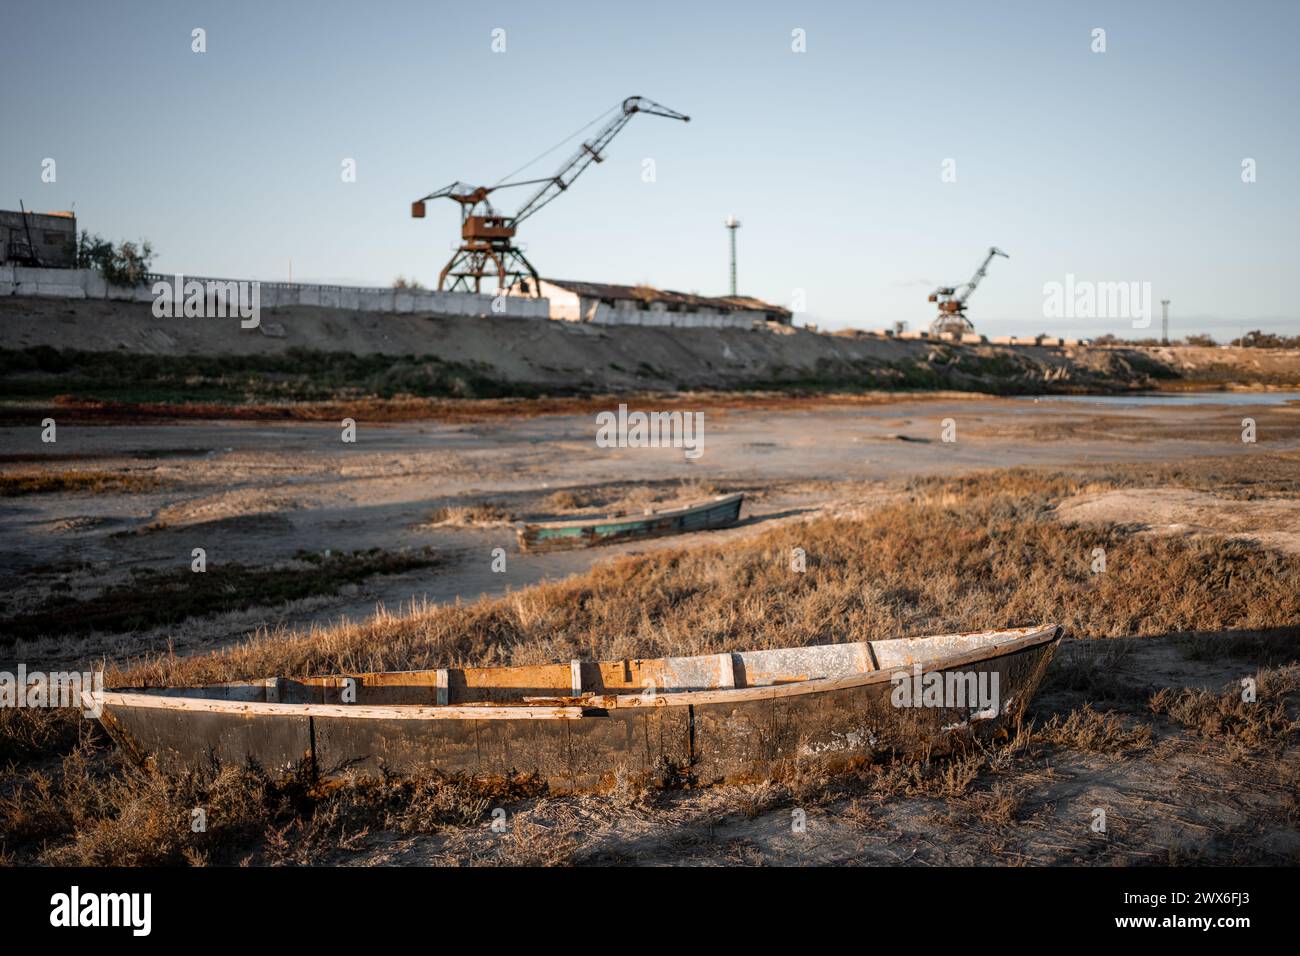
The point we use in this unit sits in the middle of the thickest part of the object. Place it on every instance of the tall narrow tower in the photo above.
(732, 225)
(1164, 321)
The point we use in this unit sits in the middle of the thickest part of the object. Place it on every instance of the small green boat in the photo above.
(718, 512)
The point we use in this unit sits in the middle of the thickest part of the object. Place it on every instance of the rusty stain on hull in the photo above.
(579, 725)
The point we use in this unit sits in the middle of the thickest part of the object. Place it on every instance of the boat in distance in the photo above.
(585, 725)
(717, 512)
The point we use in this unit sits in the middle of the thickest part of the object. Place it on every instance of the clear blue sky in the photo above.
(1124, 165)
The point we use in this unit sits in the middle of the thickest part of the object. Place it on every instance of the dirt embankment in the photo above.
(50, 347)
(1198, 366)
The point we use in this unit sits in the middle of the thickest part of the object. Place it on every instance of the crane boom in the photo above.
(980, 273)
(591, 152)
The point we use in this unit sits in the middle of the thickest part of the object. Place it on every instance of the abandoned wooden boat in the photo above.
(583, 725)
(717, 512)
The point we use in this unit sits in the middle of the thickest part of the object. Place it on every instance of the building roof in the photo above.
(645, 293)
(750, 303)
(15, 215)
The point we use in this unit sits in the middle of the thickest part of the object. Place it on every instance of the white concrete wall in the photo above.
(57, 283)
(627, 313)
(564, 304)
(571, 307)
(89, 284)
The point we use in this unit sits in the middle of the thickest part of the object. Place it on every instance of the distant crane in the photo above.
(487, 235)
(952, 319)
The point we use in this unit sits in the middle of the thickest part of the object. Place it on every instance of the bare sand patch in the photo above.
(1271, 523)
(230, 508)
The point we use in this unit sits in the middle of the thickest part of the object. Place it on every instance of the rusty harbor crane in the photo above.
(487, 235)
(951, 319)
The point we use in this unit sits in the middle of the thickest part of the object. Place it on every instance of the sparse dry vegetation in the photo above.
(570, 499)
(1255, 715)
(962, 555)
(952, 554)
(152, 597)
(125, 815)
(483, 513)
(94, 482)
(1094, 731)
(625, 499)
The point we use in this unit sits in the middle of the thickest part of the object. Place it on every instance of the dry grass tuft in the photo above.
(900, 777)
(999, 806)
(1265, 721)
(568, 499)
(466, 516)
(95, 482)
(534, 844)
(1095, 732)
(27, 733)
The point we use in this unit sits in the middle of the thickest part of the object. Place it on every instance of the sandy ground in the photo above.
(1272, 524)
(260, 493)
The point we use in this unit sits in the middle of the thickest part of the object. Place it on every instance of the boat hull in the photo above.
(551, 536)
(706, 736)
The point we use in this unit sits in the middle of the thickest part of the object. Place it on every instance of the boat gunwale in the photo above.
(823, 684)
(632, 517)
(597, 706)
